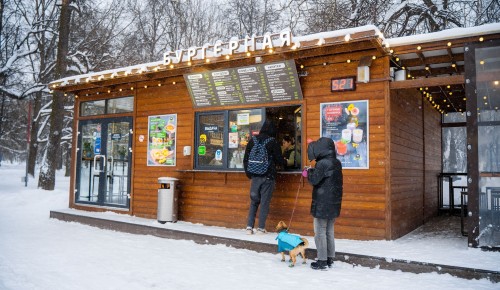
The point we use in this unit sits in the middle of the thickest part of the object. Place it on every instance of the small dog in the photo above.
(292, 243)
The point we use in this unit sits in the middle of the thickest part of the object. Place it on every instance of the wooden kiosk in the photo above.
(190, 115)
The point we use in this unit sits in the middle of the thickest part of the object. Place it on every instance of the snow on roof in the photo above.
(144, 67)
(337, 33)
(391, 42)
(452, 33)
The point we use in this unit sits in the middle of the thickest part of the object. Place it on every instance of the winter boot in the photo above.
(319, 265)
(329, 262)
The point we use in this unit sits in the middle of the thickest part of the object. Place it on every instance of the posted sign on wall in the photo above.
(346, 123)
(261, 83)
(162, 140)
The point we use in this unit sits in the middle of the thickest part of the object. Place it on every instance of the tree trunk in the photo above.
(33, 149)
(67, 159)
(49, 163)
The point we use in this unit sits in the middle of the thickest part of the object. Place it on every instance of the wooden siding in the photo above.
(433, 159)
(222, 199)
(407, 157)
(415, 161)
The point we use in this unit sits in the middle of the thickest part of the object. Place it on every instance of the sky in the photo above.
(37, 252)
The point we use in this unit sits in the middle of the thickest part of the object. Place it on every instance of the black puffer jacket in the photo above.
(273, 151)
(326, 178)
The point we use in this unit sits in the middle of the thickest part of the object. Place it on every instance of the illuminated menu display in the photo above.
(261, 83)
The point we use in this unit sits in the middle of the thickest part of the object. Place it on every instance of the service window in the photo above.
(222, 136)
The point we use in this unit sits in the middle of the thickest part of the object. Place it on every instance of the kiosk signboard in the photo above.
(261, 83)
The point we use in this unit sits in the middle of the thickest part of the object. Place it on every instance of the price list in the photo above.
(245, 85)
(227, 87)
(201, 89)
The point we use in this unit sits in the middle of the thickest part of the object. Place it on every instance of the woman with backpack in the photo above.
(260, 167)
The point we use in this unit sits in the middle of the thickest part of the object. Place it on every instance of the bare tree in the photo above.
(42, 14)
(17, 37)
(48, 167)
(412, 17)
(247, 17)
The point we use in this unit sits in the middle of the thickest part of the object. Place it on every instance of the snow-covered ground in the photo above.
(37, 252)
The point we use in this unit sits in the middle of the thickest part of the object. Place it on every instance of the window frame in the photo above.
(106, 107)
(225, 148)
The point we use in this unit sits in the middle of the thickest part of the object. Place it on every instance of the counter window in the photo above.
(222, 136)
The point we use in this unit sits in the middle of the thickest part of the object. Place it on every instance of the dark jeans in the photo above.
(261, 191)
(324, 238)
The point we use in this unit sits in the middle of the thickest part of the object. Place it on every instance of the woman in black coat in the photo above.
(327, 181)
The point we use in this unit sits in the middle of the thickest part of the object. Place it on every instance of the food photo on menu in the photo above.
(161, 141)
(346, 123)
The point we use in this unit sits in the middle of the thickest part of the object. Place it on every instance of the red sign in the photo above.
(332, 113)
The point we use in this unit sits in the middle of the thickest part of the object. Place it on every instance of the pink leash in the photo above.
(296, 198)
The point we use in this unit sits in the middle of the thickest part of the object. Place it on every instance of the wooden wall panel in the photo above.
(433, 159)
(364, 190)
(222, 199)
(407, 162)
(168, 99)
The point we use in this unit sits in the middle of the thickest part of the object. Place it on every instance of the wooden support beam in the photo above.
(428, 82)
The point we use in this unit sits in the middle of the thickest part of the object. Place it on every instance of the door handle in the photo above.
(110, 168)
(95, 163)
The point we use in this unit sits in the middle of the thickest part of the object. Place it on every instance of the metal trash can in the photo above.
(167, 200)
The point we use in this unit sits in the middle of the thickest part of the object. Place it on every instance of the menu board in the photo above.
(260, 83)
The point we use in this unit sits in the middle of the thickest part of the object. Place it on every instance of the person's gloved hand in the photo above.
(304, 171)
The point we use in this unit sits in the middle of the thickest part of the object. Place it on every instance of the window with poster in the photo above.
(221, 137)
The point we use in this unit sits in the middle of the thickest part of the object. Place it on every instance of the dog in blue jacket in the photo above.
(292, 243)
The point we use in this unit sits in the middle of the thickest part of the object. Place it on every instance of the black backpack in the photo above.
(258, 159)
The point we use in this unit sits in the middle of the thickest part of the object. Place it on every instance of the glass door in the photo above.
(483, 126)
(103, 162)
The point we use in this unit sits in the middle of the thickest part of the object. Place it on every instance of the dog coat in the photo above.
(287, 242)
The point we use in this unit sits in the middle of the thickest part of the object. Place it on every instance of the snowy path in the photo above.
(41, 253)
